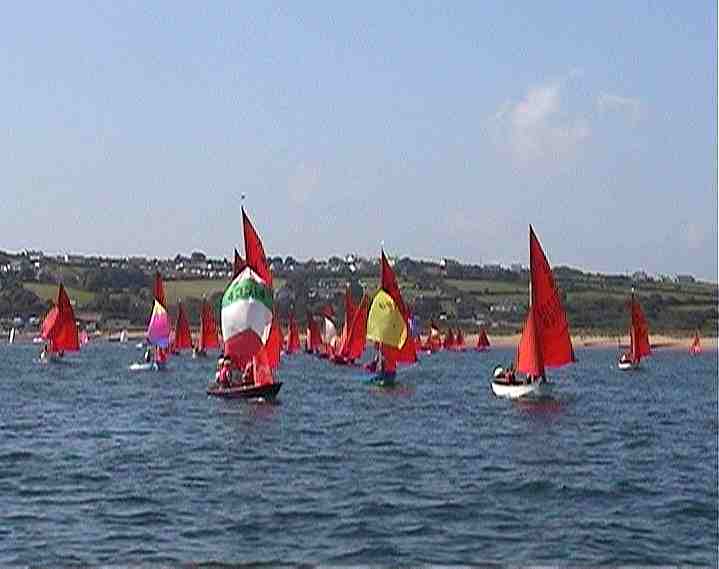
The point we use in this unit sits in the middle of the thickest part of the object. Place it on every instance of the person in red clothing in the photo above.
(225, 379)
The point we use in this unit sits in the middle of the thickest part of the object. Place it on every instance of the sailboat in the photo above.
(84, 337)
(293, 336)
(313, 337)
(251, 333)
(183, 337)
(638, 337)
(329, 338)
(545, 340)
(11, 336)
(157, 335)
(448, 340)
(696, 347)
(352, 344)
(387, 326)
(208, 332)
(434, 341)
(59, 329)
(482, 340)
(459, 341)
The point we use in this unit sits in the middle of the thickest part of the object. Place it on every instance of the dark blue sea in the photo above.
(103, 466)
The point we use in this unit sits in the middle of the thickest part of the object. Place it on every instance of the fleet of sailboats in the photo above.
(252, 340)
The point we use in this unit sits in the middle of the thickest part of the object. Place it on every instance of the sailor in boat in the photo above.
(44, 352)
(507, 376)
(625, 358)
(224, 379)
(148, 355)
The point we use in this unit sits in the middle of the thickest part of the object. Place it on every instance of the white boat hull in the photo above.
(143, 366)
(517, 390)
(626, 366)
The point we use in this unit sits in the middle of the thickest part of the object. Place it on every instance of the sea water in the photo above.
(100, 465)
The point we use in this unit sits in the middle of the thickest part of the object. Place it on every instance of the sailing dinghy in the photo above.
(482, 340)
(209, 339)
(696, 347)
(545, 340)
(638, 338)
(59, 329)
(293, 336)
(157, 335)
(252, 337)
(387, 327)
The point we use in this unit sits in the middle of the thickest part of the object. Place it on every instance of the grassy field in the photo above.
(175, 290)
(494, 287)
(49, 292)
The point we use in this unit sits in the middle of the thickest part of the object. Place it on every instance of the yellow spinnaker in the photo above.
(385, 323)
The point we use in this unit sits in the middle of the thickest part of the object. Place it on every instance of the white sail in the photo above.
(11, 338)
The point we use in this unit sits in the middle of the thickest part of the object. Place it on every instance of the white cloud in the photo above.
(536, 129)
(631, 106)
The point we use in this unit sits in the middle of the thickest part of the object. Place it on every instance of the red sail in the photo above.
(357, 336)
(639, 334)
(449, 340)
(208, 328)
(158, 290)
(350, 309)
(549, 315)
(482, 339)
(459, 341)
(238, 265)
(254, 252)
(60, 327)
(407, 353)
(529, 351)
(293, 341)
(183, 338)
(314, 337)
(696, 347)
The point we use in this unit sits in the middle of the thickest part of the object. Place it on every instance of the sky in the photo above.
(441, 129)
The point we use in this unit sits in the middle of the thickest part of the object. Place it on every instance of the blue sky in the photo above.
(440, 128)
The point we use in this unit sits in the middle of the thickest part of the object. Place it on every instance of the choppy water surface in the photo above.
(100, 465)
